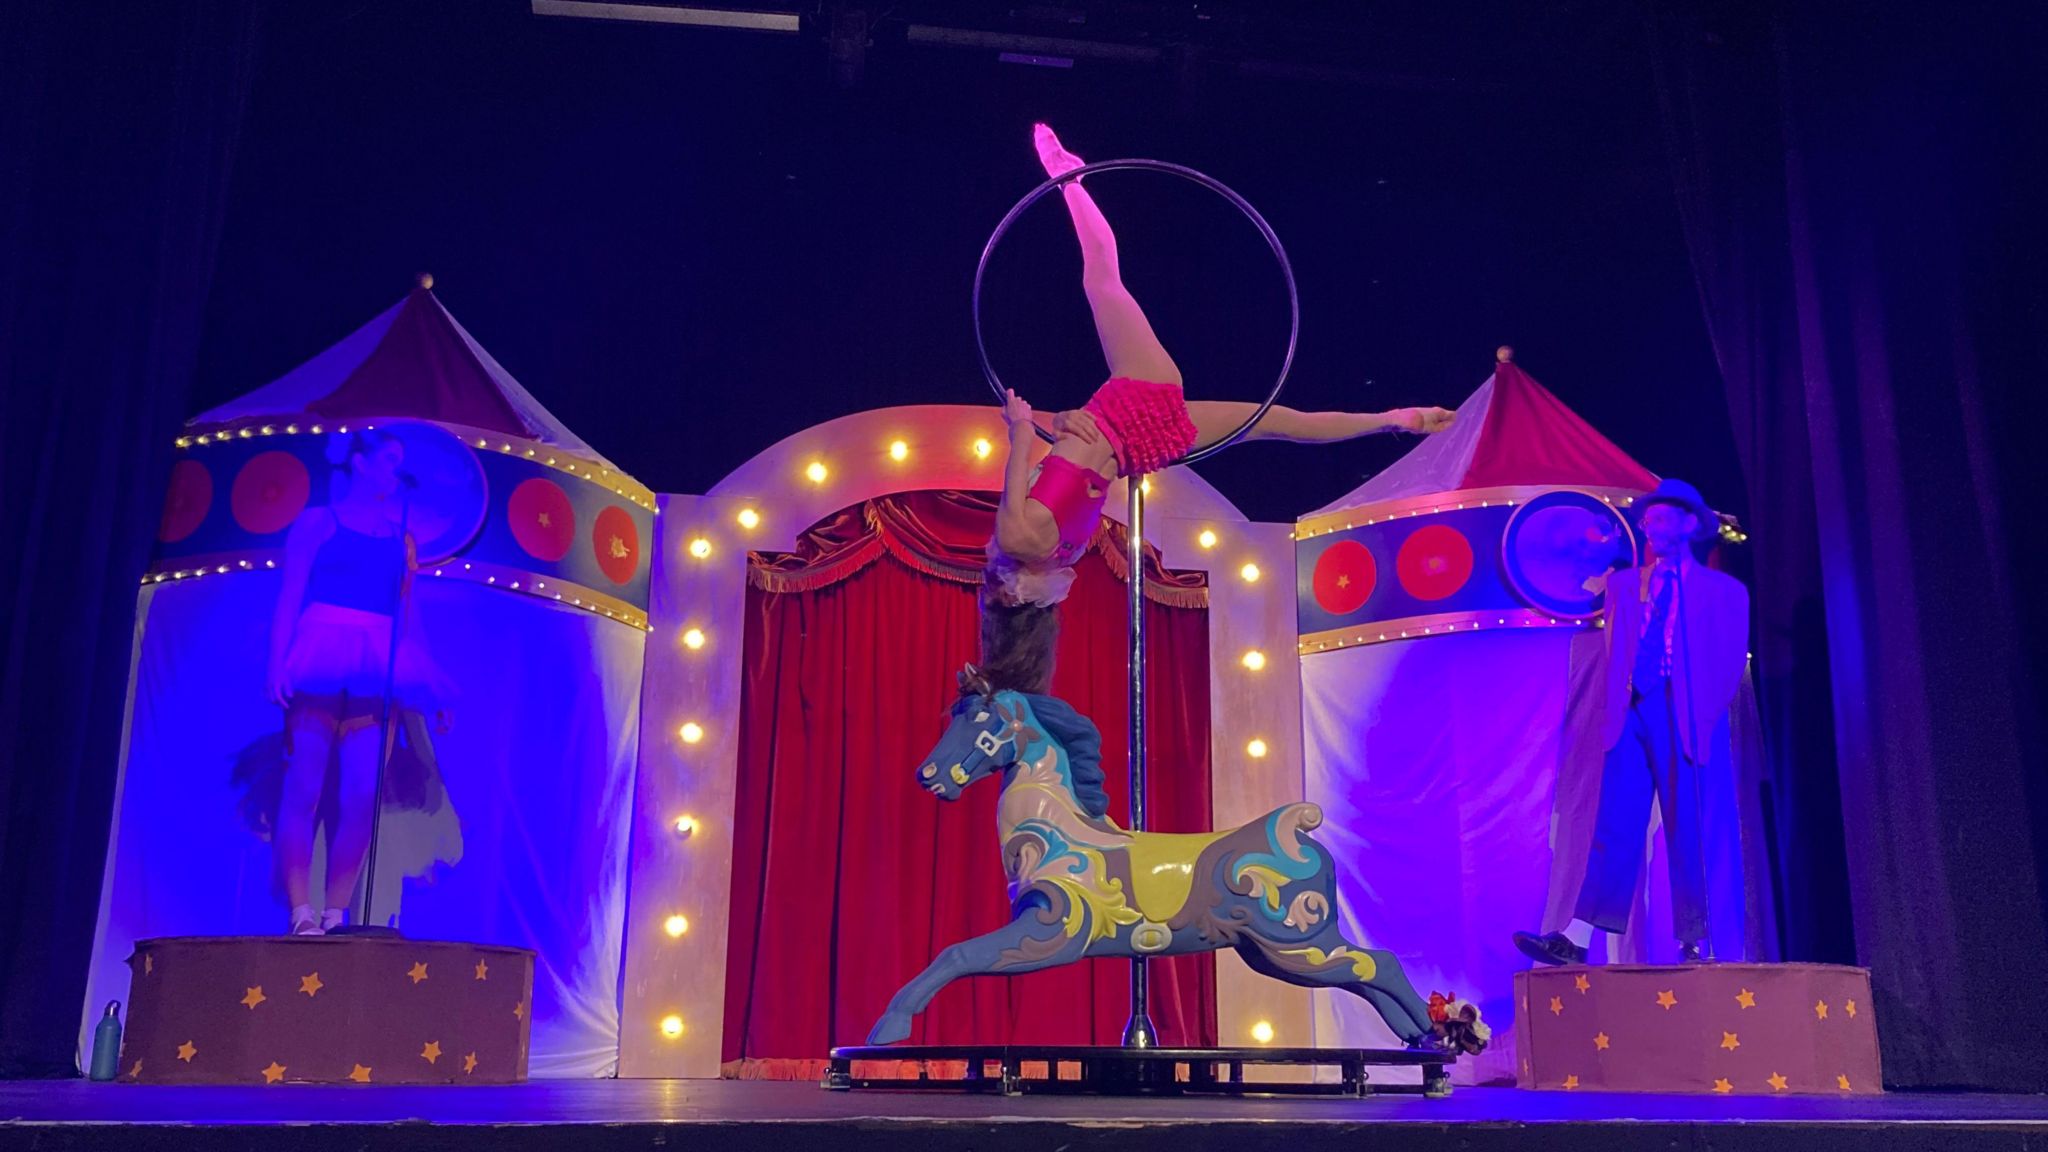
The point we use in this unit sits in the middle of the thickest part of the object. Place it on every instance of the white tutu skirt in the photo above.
(345, 654)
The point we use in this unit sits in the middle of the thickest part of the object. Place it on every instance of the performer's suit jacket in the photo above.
(1709, 649)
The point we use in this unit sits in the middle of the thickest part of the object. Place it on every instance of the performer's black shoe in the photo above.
(1549, 948)
(1688, 953)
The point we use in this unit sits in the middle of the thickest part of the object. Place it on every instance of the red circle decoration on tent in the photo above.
(542, 519)
(616, 543)
(190, 499)
(1434, 562)
(270, 492)
(1345, 577)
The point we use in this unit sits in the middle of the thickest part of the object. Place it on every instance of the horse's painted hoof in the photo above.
(889, 1029)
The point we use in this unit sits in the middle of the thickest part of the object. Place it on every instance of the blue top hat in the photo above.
(1683, 495)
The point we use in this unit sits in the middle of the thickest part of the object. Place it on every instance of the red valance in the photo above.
(941, 534)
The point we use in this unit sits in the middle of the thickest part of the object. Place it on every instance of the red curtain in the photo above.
(847, 877)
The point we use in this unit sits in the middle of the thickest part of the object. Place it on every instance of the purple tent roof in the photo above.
(413, 361)
(1511, 431)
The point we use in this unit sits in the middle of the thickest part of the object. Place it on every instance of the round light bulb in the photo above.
(685, 825)
(671, 1026)
(700, 547)
(749, 519)
(676, 925)
(1145, 486)
(983, 449)
(1207, 539)
(1250, 572)
(1262, 1032)
(693, 639)
(692, 732)
(1254, 660)
(816, 472)
(1255, 749)
(899, 451)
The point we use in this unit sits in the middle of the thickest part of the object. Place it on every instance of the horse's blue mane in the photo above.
(1083, 744)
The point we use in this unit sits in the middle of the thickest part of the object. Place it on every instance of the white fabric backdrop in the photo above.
(1433, 761)
(1459, 777)
(530, 850)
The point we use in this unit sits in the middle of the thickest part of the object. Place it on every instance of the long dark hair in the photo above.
(1018, 642)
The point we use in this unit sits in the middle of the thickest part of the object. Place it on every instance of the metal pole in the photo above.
(385, 741)
(1139, 1033)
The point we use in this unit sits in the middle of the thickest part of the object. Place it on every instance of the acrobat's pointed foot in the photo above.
(1052, 154)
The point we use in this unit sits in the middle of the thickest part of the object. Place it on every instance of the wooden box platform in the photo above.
(326, 1010)
(1759, 1029)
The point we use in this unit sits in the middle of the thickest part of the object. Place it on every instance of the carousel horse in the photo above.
(1081, 887)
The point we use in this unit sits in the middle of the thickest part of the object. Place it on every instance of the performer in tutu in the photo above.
(347, 575)
(1137, 422)
(1677, 643)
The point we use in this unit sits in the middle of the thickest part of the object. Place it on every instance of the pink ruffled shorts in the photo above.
(1146, 422)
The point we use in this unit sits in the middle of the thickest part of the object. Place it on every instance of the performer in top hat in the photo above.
(1677, 643)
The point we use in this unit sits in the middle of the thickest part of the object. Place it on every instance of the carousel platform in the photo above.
(632, 1115)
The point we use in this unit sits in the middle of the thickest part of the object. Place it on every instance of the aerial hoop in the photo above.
(1185, 173)
(1139, 1033)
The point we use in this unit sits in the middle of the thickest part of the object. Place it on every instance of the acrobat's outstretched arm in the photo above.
(1020, 535)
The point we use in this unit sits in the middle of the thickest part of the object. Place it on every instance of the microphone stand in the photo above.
(385, 743)
(1680, 604)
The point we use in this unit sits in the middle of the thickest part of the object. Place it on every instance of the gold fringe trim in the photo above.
(880, 541)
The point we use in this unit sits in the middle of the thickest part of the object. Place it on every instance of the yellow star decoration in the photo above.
(519, 1010)
(1842, 1082)
(483, 971)
(1723, 1087)
(1343, 581)
(469, 1063)
(1557, 1005)
(1601, 1042)
(618, 549)
(135, 1071)
(1778, 1082)
(253, 997)
(1746, 998)
(418, 973)
(1820, 1009)
(274, 1073)
(148, 965)
(1729, 1041)
(1850, 1007)
(187, 1051)
(1667, 1001)
(1581, 983)
(360, 1074)
(546, 521)
(311, 985)
(432, 1052)
(1571, 1081)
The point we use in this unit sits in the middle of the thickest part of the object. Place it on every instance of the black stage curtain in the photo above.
(1846, 183)
(118, 126)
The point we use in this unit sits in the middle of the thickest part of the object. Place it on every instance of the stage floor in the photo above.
(647, 1114)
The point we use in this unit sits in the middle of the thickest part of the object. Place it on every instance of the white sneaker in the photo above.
(306, 922)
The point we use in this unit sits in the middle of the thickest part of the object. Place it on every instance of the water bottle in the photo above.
(106, 1043)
